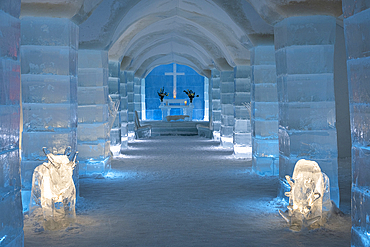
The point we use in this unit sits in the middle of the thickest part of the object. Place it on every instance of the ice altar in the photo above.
(54, 191)
(309, 196)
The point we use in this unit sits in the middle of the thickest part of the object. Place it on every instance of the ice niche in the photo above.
(54, 191)
(309, 197)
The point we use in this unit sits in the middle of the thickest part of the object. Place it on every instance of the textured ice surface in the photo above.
(54, 191)
(309, 196)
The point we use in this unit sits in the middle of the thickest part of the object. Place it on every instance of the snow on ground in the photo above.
(184, 191)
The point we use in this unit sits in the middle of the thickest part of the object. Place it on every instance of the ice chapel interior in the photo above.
(185, 123)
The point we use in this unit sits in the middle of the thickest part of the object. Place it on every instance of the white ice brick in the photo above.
(114, 69)
(92, 113)
(92, 59)
(243, 139)
(264, 74)
(92, 77)
(227, 130)
(265, 148)
(266, 128)
(227, 76)
(93, 150)
(306, 88)
(242, 126)
(51, 60)
(305, 30)
(49, 89)
(9, 36)
(227, 87)
(92, 132)
(56, 142)
(9, 81)
(9, 126)
(318, 59)
(241, 112)
(41, 117)
(216, 93)
(114, 85)
(266, 110)
(357, 32)
(92, 95)
(242, 71)
(242, 84)
(265, 92)
(48, 31)
(242, 97)
(227, 98)
(308, 115)
(265, 166)
(263, 55)
(227, 109)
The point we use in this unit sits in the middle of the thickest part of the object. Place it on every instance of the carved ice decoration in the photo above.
(53, 189)
(309, 197)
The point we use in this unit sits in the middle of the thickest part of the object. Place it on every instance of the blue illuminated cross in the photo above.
(174, 74)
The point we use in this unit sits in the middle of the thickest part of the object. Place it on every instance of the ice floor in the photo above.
(185, 191)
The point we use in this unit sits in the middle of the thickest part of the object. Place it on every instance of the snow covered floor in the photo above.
(182, 191)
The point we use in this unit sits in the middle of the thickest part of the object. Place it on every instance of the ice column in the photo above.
(114, 86)
(93, 129)
(137, 96)
(123, 113)
(216, 104)
(357, 35)
(11, 228)
(242, 128)
(130, 105)
(265, 109)
(49, 92)
(304, 66)
(227, 108)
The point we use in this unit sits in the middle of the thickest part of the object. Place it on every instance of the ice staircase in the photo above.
(184, 128)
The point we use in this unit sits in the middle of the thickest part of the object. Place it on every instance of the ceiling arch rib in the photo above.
(180, 27)
(167, 47)
(227, 35)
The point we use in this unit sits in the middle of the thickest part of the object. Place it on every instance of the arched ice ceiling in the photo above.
(142, 34)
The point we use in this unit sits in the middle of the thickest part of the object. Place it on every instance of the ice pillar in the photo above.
(93, 127)
(357, 35)
(216, 104)
(137, 96)
(123, 113)
(49, 92)
(242, 128)
(304, 66)
(114, 86)
(227, 108)
(11, 228)
(129, 75)
(265, 111)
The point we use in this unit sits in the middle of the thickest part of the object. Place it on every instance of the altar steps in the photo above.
(183, 128)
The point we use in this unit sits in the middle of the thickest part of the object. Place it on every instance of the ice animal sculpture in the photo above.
(53, 189)
(309, 196)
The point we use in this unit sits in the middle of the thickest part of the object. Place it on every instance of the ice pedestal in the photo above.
(357, 30)
(216, 104)
(49, 91)
(93, 131)
(54, 191)
(309, 197)
(227, 109)
(265, 111)
(123, 113)
(114, 86)
(305, 57)
(242, 128)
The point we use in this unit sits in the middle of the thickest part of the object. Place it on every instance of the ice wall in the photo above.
(304, 67)
(227, 109)
(93, 129)
(242, 128)
(130, 85)
(49, 92)
(357, 35)
(11, 217)
(216, 104)
(123, 113)
(114, 87)
(137, 96)
(265, 111)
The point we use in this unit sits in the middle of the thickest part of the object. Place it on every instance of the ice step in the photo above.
(160, 128)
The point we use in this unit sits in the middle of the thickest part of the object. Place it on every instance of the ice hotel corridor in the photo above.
(184, 191)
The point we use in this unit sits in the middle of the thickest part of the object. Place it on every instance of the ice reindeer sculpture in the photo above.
(309, 197)
(53, 189)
